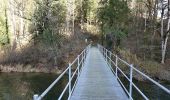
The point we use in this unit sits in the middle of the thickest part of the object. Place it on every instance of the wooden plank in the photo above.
(96, 81)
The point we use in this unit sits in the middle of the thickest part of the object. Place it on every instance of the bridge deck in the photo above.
(97, 82)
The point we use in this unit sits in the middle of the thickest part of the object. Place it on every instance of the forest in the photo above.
(45, 35)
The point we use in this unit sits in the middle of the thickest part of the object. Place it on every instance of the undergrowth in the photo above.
(149, 67)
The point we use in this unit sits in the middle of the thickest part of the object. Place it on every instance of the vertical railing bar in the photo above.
(73, 75)
(70, 79)
(110, 59)
(124, 87)
(131, 80)
(35, 97)
(101, 49)
(78, 65)
(104, 52)
(84, 57)
(61, 95)
(73, 88)
(116, 62)
(106, 56)
(82, 61)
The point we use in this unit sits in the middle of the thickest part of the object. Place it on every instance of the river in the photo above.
(22, 86)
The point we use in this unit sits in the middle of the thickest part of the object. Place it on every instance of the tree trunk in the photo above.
(13, 25)
(6, 24)
(162, 34)
(154, 25)
(165, 39)
(73, 6)
(82, 23)
(21, 19)
(145, 21)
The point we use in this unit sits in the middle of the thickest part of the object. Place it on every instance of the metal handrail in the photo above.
(106, 52)
(80, 59)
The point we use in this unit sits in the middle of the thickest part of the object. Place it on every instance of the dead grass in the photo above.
(40, 57)
(27, 68)
(35, 60)
(149, 67)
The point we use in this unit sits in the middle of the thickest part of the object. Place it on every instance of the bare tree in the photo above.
(164, 36)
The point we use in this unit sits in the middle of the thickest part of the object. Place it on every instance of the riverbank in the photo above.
(151, 68)
(162, 75)
(28, 68)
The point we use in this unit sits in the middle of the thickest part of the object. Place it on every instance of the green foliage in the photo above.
(86, 8)
(113, 16)
(3, 37)
(49, 38)
(49, 18)
(89, 8)
(3, 27)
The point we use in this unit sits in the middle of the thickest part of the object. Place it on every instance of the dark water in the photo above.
(22, 86)
(152, 91)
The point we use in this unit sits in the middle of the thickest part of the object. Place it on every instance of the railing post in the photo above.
(84, 54)
(35, 97)
(78, 65)
(69, 79)
(99, 47)
(116, 62)
(82, 61)
(131, 80)
(106, 55)
(87, 50)
(110, 56)
(103, 52)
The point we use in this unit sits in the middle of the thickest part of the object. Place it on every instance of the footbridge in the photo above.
(97, 77)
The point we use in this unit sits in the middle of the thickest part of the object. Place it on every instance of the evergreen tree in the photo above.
(113, 16)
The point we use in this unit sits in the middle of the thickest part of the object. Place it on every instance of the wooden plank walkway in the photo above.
(96, 81)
